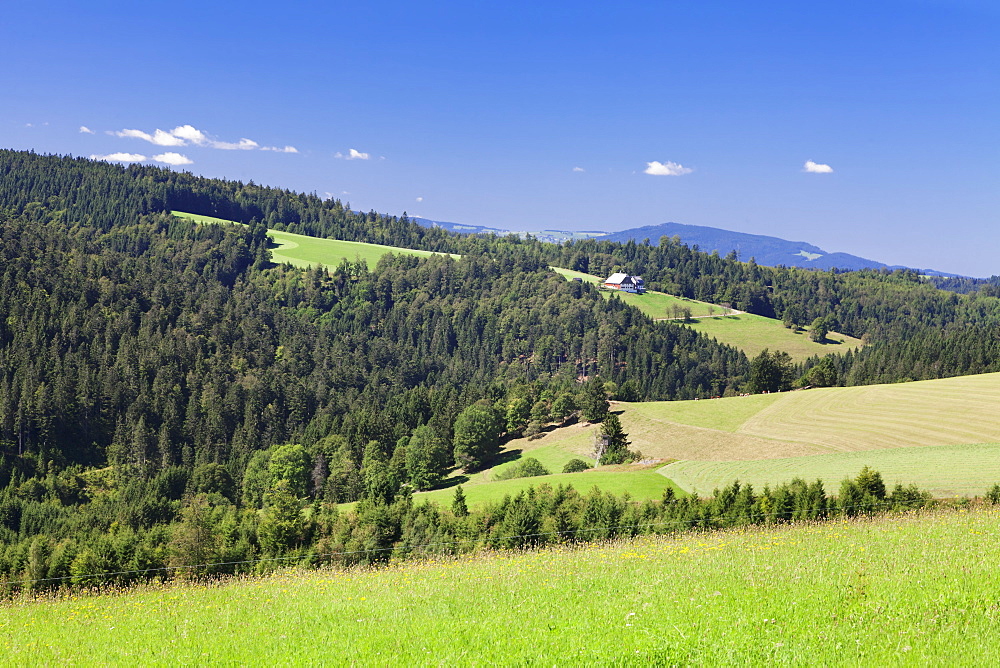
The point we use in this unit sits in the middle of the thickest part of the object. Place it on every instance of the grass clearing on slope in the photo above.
(204, 220)
(911, 590)
(944, 470)
(640, 482)
(304, 251)
(654, 304)
(753, 333)
(750, 333)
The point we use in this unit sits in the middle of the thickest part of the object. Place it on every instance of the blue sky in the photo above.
(543, 115)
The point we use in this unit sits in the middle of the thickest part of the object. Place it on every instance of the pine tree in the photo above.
(458, 505)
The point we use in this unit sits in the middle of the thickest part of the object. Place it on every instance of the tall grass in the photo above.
(910, 590)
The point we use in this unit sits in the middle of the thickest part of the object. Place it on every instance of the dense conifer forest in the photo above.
(158, 376)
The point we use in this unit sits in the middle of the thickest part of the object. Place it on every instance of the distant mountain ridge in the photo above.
(554, 236)
(766, 250)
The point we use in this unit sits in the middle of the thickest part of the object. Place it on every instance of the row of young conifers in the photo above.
(215, 538)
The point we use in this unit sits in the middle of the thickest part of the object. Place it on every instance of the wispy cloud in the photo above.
(120, 157)
(159, 137)
(188, 135)
(85, 130)
(171, 158)
(354, 154)
(579, 169)
(241, 145)
(817, 168)
(420, 199)
(668, 168)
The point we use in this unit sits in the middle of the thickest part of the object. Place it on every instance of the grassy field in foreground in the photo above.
(753, 333)
(304, 251)
(911, 590)
(944, 470)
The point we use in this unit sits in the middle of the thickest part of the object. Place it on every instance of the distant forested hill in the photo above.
(766, 250)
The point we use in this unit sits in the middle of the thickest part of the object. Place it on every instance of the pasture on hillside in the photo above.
(746, 331)
(657, 305)
(753, 333)
(896, 590)
(304, 251)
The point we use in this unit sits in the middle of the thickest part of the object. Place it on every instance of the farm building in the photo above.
(626, 283)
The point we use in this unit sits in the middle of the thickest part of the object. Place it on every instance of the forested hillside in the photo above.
(178, 355)
(157, 374)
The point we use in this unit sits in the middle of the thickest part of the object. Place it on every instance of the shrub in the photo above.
(993, 495)
(575, 466)
(526, 468)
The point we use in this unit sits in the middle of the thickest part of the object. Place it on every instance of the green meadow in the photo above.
(657, 305)
(304, 251)
(895, 590)
(753, 333)
(750, 333)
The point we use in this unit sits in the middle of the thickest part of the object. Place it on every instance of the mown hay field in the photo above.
(938, 434)
(902, 590)
(944, 470)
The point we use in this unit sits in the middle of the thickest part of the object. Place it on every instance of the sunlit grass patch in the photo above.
(911, 590)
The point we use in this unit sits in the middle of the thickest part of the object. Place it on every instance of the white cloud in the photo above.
(579, 169)
(354, 154)
(420, 199)
(161, 138)
(242, 145)
(120, 157)
(186, 135)
(134, 134)
(817, 168)
(667, 168)
(286, 149)
(171, 158)
(189, 133)
(85, 130)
